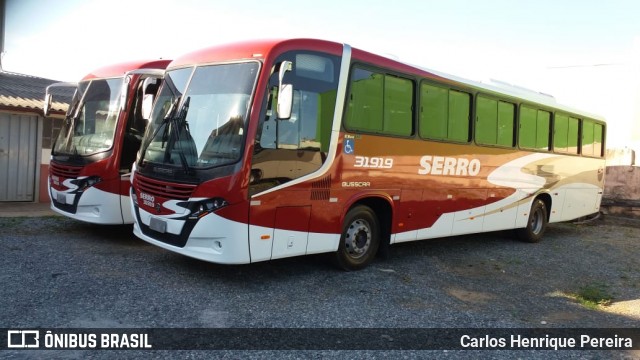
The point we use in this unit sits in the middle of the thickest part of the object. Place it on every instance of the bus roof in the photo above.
(120, 69)
(253, 49)
(260, 49)
(513, 91)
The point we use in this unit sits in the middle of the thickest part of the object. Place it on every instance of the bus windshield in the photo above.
(91, 120)
(199, 118)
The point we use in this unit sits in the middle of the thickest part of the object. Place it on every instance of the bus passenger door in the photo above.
(278, 232)
(144, 93)
(261, 230)
(289, 146)
(292, 231)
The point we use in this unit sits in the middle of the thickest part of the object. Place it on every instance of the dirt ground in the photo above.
(622, 235)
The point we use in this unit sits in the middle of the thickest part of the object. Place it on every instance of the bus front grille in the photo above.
(163, 189)
(64, 171)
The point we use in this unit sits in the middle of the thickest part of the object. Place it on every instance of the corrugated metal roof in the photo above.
(27, 92)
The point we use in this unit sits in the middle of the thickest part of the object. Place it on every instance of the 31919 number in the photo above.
(373, 162)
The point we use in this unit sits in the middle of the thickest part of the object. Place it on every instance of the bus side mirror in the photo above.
(48, 96)
(285, 92)
(46, 106)
(124, 93)
(147, 104)
(149, 90)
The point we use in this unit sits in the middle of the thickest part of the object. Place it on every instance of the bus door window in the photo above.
(137, 121)
(286, 149)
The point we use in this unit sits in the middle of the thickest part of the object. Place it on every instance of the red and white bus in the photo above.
(92, 156)
(269, 149)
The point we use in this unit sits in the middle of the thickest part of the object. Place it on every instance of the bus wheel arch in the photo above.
(366, 229)
(538, 220)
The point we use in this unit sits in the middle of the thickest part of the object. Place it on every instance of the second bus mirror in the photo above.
(149, 90)
(147, 103)
(285, 92)
(46, 106)
(124, 93)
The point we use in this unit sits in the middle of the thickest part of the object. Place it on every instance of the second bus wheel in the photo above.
(360, 239)
(537, 223)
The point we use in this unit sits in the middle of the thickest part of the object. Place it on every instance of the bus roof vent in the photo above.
(519, 90)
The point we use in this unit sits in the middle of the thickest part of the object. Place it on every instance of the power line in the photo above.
(587, 65)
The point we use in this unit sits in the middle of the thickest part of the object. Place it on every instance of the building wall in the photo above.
(20, 144)
(622, 183)
(26, 168)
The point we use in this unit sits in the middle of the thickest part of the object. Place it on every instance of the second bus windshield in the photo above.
(92, 119)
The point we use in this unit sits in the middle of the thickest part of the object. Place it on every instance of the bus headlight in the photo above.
(205, 207)
(85, 183)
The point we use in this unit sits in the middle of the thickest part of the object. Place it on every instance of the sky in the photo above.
(586, 53)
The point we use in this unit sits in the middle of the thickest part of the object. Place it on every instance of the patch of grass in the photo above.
(9, 223)
(593, 296)
(515, 261)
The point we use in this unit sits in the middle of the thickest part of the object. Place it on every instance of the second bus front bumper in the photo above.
(210, 238)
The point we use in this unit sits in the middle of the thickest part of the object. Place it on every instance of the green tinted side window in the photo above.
(398, 103)
(364, 110)
(573, 133)
(542, 130)
(434, 112)
(444, 113)
(592, 138)
(380, 103)
(486, 121)
(598, 133)
(506, 114)
(561, 133)
(458, 129)
(326, 108)
(527, 134)
(534, 128)
(587, 138)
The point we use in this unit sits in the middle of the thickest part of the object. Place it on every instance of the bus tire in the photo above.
(537, 223)
(359, 240)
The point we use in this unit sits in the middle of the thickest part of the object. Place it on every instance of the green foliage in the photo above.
(593, 295)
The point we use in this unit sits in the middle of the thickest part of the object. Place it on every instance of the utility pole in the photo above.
(3, 21)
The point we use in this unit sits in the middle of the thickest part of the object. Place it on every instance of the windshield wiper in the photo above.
(167, 120)
(172, 125)
(178, 124)
(76, 154)
(163, 125)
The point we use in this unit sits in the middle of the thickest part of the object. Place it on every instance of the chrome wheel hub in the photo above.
(358, 238)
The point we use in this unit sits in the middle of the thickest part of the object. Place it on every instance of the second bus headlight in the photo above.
(205, 207)
(89, 181)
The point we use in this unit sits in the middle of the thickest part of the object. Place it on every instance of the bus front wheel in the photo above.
(537, 223)
(360, 239)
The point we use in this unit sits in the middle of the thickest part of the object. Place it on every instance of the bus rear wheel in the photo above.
(537, 223)
(360, 239)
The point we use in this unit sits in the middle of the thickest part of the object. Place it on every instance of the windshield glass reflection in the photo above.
(91, 121)
(199, 121)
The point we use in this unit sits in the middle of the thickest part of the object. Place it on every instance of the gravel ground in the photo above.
(58, 273)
